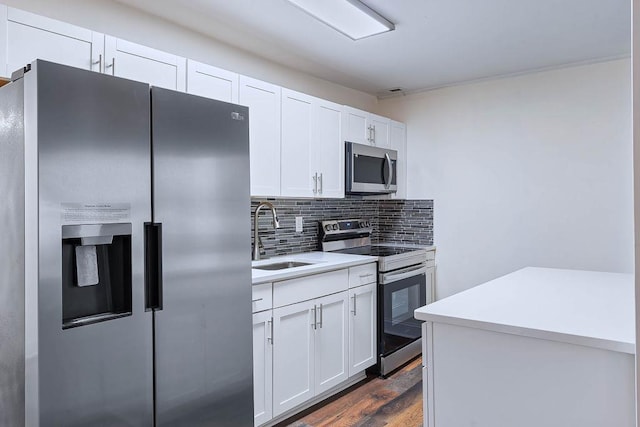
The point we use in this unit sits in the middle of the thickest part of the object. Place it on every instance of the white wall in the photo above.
(534, 170)
(109, 17)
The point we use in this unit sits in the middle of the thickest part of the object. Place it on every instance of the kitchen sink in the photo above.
(281, 265)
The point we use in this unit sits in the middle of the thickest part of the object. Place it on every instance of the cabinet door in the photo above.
(298, 180)
(30, 37)
(362, 328)
(212, 82)
(262, 367)
(293, 355)
(144, 64)
(380, 126)
(355, 125)
(332, 342)
(397, 141)
(328, 150)
(263, 100)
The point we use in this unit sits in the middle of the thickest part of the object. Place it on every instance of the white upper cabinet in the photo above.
(26, 37)
(328, 149)
(398, 142)
(263, 100)
(365, 128)
(296, 140)
(379, 128)
(354, 125)
(141, 63)
(312, 157)
(212, 82)
(298, 179)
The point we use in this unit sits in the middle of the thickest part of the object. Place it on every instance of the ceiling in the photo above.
(436, 42)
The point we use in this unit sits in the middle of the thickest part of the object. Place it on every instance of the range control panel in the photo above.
(345, 226)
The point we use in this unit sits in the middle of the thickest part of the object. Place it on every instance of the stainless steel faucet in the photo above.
(256, 237)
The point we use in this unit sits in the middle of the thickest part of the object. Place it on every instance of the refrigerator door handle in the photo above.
(153, 265)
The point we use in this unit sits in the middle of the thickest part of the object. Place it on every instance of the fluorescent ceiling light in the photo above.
(350, 17)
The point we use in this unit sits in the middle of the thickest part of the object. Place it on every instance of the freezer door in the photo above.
(12, 255)
(93, 357)
(203, 332)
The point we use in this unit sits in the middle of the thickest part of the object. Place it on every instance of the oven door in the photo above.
(370, 170)
(401, 292)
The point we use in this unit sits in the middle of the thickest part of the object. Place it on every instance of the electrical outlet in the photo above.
(298, 224)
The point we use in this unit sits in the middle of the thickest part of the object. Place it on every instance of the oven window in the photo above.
(399, 300)
(401, 304)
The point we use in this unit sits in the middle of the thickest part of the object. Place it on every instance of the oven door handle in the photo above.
(402, 274)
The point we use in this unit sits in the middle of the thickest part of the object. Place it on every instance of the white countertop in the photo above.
(580, 307)
(322, 262)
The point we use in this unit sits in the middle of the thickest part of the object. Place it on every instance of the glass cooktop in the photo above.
(378, 250)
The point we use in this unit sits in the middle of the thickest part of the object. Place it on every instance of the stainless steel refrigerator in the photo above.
(125, 292)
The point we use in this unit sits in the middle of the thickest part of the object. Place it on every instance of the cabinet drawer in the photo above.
(309, 287)
(261, 297)
(362, 274)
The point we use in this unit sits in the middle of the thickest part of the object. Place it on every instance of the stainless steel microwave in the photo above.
(370, 170)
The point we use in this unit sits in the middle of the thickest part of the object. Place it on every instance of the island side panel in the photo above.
(491, 379)
(427, 374)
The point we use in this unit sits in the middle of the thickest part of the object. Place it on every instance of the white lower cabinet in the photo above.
(309, 350)
(311, 342)
(331, 342)
(262, 366)
(362, 328)
(293, 355)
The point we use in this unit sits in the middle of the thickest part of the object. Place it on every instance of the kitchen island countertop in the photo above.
(588, 308)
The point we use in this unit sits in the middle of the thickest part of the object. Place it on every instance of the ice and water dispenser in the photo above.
(96, 273)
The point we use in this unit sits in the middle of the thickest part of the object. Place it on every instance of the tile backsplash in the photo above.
(399, 221)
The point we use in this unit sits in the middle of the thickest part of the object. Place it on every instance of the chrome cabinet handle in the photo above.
(256, 300)
(320, 316)
(315, 322)
(354, 305)
(362, 276)
(270, 338)
(99, 62)
(315, 183)
(370, 137)
(320, 191)
(387, 180)
(112, 66)
(373, 130)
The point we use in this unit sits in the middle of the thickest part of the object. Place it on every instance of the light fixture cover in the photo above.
(350, 17)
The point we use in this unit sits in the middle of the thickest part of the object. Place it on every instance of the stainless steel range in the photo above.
(402, 287)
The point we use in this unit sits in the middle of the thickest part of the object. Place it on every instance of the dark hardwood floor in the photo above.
(396, 402)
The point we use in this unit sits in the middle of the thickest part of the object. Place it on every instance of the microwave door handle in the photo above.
(387, 181)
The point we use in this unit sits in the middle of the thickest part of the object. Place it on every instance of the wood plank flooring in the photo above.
(394, 402)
